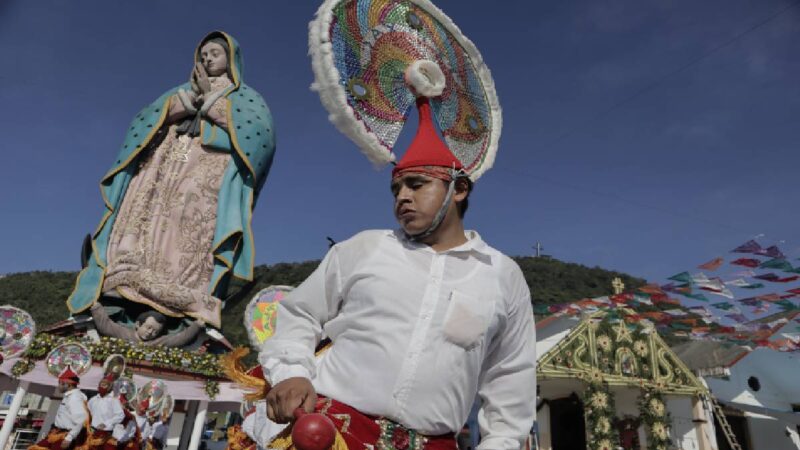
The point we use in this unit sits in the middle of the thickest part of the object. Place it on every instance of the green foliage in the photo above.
(552, 281)
(43, 294)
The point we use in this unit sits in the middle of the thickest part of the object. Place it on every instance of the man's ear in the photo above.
(461, 190)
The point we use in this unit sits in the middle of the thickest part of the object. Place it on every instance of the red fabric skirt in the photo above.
(54, 439)
(100, 440)
(360, 430)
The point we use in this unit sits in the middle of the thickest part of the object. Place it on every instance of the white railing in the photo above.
(23, 439)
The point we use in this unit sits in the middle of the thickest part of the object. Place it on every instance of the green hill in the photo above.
(44, 293)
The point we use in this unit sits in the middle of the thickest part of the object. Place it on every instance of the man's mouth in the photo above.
(405, 213)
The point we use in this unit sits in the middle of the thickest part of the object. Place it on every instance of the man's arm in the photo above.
(77, 411)
(508, 388)
(118, 414)
(288, 356)
(180, 338)
(108, 327)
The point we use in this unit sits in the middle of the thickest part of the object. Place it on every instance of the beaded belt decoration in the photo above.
(397, 437)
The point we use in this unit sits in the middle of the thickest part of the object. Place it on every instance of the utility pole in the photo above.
(538, 247)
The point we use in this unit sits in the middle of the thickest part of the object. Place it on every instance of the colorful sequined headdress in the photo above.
(373, 59)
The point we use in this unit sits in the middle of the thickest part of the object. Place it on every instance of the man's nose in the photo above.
(403, 194)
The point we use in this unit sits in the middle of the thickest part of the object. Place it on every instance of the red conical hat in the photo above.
(69, 376)
(427, 149)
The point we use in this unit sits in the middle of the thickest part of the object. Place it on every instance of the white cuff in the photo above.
(498, 443)
(280, 372)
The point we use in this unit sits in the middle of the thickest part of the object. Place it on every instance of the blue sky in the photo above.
(645, 136)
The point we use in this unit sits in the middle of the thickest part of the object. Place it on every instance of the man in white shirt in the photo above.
(142, 424)
(421, 320)
(106, 411)
(156, 435)
(68, 430)
(127, 432)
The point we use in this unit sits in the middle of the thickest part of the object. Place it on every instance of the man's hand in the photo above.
(65, 444)
(289, 395)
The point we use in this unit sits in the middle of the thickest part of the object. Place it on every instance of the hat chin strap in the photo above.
(439, 217)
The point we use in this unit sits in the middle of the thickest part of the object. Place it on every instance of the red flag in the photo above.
(747, 262)
(714, 264)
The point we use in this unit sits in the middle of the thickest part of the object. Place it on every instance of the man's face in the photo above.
(104, 387)
(214, 59)
(417, 199)
(64, 386)
(149, 329)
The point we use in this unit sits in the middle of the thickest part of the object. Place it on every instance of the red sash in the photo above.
(360, 430)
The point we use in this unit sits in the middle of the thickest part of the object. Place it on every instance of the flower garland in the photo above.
(212, 389)
(599, 409)
(656, 419)
(162, 357)
(22, 367)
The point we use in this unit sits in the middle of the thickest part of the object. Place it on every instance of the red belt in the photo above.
(359, 429)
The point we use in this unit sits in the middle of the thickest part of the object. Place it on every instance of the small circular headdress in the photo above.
(167, 406)
(70, 355)
(17, 330)
(125, 387)
(114, 366)
(373, 59)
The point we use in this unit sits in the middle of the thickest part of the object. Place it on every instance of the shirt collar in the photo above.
(474, 243)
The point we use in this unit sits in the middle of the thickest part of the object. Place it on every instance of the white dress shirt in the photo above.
(258, 427)
(157, 431)
(124, 432)
(71, 414)
(144, 426)
(416, 334)
(106, 412)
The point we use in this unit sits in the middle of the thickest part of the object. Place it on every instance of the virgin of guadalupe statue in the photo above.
(180, 195)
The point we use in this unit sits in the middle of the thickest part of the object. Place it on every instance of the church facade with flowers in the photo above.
(607, 382)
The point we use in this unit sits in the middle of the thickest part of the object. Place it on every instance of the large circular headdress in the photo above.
(73, 355)
(17, 330)
(155, 391)
(261, 313)
(167, 407)
(371, 58)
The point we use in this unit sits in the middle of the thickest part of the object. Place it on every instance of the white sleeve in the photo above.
(298, 327)
(118, 413)
(77, 411)
(508, 385)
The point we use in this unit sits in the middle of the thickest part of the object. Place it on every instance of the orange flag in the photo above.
(714, 264)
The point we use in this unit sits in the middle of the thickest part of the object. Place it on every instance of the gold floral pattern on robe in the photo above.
(160, 250)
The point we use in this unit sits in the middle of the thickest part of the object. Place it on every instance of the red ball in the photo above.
(312, 431)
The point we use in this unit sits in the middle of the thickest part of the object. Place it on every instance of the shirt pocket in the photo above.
(466, 320)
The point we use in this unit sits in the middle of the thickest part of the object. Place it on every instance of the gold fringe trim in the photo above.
(232, 366)
(54, 436)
